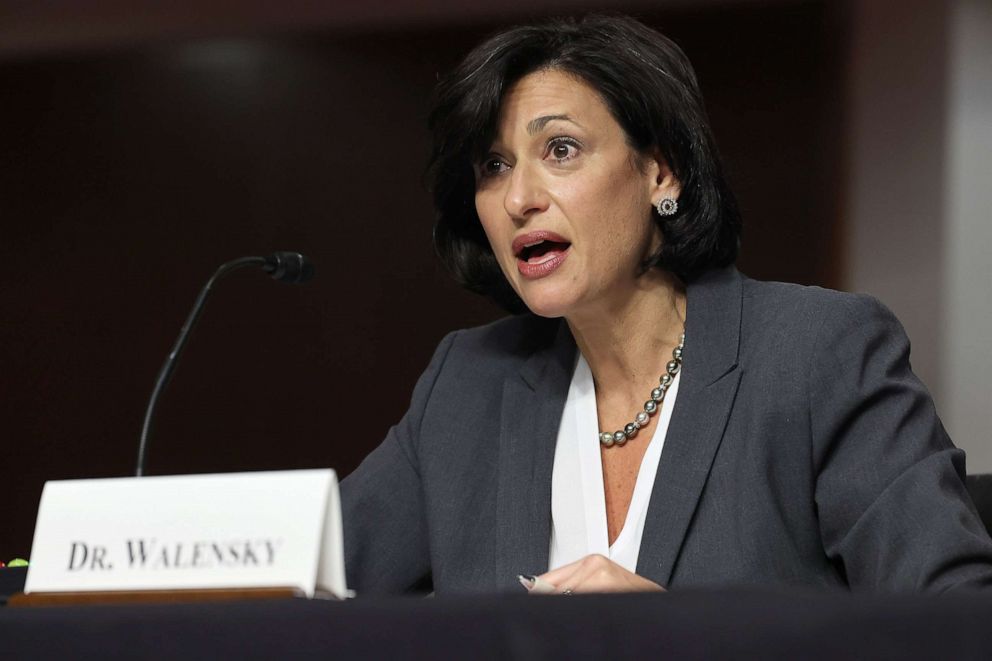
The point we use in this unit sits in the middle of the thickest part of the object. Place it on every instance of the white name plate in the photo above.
(234, 530)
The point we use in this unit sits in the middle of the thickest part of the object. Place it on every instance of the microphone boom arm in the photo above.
(165, 373)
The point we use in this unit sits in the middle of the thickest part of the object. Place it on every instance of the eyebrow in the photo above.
(538, 124)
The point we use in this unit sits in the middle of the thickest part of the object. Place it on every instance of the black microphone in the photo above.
(288, 267)
(284, 266)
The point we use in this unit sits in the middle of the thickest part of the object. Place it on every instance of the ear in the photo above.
(663, 181)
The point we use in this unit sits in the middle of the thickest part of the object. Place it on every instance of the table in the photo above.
(688, 624)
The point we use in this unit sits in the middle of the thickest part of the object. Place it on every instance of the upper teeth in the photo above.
(531, 245)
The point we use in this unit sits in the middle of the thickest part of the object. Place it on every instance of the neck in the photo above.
(628, 340)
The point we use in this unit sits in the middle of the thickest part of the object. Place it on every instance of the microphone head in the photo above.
(287, 266)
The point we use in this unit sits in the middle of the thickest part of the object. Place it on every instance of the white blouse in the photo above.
(578, 497)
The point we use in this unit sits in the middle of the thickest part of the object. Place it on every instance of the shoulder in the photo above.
(509, 339)
(815, 312)
(497, 347)
(818, 339)
(809, 300)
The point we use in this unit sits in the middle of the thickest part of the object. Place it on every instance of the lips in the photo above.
(540, 253)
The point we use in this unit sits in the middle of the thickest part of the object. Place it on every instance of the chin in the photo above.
(547, 313)
(547, 302)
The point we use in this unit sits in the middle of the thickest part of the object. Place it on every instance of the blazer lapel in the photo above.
(708, 385)
(532, 407)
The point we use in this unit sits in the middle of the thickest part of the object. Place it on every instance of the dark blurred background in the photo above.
(140, 148)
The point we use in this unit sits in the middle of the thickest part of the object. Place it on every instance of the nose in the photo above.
(525, 194)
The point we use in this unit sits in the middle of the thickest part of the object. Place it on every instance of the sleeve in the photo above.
(384, 519)
(893, 510)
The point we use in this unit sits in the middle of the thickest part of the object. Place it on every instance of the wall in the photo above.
(967, 347)
(917, 202)
(129, 172)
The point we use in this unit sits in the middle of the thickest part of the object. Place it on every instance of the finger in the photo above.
(536, 585)
(599, 574)
(593, 573)
(621, 581)
(556, 576)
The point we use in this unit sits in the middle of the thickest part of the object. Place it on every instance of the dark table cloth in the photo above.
(691, 624)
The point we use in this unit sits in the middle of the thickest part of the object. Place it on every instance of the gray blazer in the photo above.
(802, 451)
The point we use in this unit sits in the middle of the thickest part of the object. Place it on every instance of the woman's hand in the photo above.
(597, 573)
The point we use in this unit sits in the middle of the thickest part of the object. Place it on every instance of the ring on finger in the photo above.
(568, 592)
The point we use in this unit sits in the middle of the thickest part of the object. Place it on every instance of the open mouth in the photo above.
(542, 251)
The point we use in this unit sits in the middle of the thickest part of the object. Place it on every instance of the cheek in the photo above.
(612, 190)
(612, 210)
(491, 221)
(484, 212)
(631, 205)
(624, 229)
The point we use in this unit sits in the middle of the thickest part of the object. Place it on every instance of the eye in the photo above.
(562, 148)
(492, 166)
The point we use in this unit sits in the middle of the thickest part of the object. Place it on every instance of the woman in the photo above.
(575, 179)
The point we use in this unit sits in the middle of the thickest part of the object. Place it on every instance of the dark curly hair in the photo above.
(650, 89)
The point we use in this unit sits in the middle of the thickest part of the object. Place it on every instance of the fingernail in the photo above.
(538, 585)
(527, 581)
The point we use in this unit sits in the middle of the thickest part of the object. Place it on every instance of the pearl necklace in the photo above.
(651, 406)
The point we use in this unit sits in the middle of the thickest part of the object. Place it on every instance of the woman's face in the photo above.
(565, 202)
